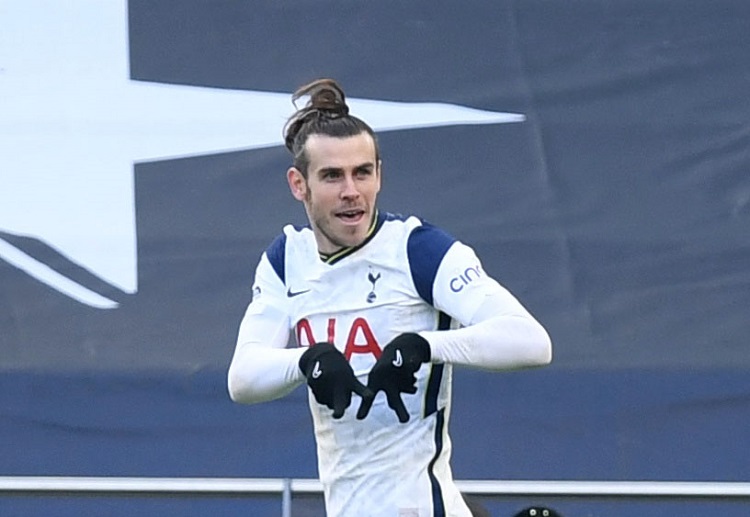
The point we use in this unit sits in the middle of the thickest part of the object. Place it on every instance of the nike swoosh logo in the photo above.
(292, 294)
(317, 372)
(398, 361)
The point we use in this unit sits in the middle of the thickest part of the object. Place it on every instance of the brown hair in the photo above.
(325, 113)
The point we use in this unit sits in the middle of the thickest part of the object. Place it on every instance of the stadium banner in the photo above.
(595, 154)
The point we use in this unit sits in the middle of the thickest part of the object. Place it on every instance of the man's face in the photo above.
(343, 181)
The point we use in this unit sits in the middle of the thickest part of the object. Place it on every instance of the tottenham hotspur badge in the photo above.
(372, 278)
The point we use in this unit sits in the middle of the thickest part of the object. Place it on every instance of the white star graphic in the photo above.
(72, 124)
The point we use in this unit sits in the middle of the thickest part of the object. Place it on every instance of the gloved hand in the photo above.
(331, 378)
(394, 373)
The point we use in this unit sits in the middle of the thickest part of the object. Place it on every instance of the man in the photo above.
(375, 303)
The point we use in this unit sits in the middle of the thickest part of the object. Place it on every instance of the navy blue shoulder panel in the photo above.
(426, 248)
(275, 254)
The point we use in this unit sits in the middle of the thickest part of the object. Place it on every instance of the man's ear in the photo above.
(297, 183)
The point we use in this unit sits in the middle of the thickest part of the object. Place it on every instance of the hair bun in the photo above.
(325, 97)
(325, 113)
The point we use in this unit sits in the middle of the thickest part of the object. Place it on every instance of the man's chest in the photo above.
(359, 308)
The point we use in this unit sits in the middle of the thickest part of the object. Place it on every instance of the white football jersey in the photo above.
(407, 276)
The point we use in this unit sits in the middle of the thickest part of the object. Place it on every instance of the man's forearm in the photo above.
(498, 343)
(260, 374)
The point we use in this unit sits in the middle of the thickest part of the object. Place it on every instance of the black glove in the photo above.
(330, 377)
(394, 373)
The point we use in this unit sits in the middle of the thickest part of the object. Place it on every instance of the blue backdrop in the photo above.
(618, 211)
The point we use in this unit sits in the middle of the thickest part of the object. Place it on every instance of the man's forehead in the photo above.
(325, 151)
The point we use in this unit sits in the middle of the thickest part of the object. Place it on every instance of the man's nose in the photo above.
(349, 188)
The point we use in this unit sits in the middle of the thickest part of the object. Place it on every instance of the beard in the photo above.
(338, 239)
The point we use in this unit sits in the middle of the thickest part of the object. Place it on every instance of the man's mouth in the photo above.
(352, 215)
